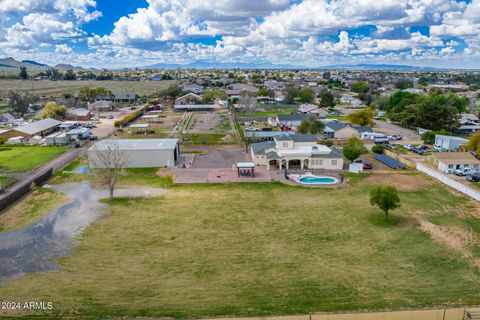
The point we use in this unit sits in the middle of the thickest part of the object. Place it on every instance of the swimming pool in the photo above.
(317, 180)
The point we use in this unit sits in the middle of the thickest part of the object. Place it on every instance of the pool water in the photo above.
(317, 180)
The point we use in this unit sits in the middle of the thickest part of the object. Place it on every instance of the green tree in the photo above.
(310, 125)
(263, 92)
(327, 100)
(473, 143)
(23, 73)
(19, 103)
(209, 96)
(378, 149)
(90, 94)
(362, 118)
(360, 87)
(291, 92)
(403, 84)
(429, 136)
(54, 111)
(385, 197)
(326, 75)
(69, 75)
(399, 100)
(354, 149)
(173, 91)
(306, 95)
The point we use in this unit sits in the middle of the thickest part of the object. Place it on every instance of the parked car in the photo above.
(408, 146)
(449, 171)
(109, 116)
(418, 151)
(366, 165)
(93, 137)
(474, 177)
(464, 171)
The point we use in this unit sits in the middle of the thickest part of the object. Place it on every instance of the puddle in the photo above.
(34, 248)
(82, 170)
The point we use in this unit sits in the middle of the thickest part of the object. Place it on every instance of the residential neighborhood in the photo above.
(276, 160)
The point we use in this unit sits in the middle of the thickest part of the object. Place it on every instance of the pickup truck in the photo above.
(464, 171)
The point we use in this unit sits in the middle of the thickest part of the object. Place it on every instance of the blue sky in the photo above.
(108, 33)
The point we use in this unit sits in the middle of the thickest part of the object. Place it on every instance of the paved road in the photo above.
(390, 128)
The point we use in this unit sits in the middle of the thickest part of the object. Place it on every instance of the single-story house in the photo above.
(139, 153)
(38, 128)
(308, 108)
(296, 151)
(188, 99)
(79, 114)
(454, 160)
(352, 100)
(7, 118)
(288, 120)
(195, 88)
(101, 105)
(236, 89)
(125, 97)
(335, 129)
(448, 143)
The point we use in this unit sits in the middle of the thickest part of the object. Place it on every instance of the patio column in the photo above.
(280, 164)
(287, 164)
(301, 164)
(268, 164)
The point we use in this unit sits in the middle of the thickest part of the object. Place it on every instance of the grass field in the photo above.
(261, 249)
(56, 88)
(25, 158)
(33, 207)
(269, 112)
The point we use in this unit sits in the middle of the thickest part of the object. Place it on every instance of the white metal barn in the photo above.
(139, 153)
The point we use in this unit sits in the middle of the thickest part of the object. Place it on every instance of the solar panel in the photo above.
(389, 161)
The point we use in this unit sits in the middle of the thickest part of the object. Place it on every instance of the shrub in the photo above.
(327, 143)
(129, 117)
(378, 149)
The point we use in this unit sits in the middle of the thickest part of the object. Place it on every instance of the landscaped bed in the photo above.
(25, 158)
(259, 249)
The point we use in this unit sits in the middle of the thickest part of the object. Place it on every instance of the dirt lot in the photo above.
(389, 128)
(220, 158)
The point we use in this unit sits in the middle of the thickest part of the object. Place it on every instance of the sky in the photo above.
(304, 33)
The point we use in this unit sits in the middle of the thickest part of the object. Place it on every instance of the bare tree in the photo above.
(107, 162)
(247, 102)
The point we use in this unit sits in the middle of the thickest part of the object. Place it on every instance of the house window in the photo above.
(320, 162)
(334, 162)
(450, 166)
(284, 144)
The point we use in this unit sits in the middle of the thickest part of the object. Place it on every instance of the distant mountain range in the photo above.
(269, 65)
(10, 64)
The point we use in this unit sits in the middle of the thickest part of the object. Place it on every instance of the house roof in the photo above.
(190, 94)
(304, 138)
(136, 144)
(334, 153)
(456, 158)
(363, 129)
(272, 155)
(38, 126)
(291, 117)
(336, 125)
(194, 106)
(259, 148)
(450, 138)
(125, 96)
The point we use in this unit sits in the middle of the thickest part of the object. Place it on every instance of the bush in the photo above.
(327, 143)
(378, 149)
(129, 117)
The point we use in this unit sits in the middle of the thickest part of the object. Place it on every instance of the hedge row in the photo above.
(130, 117)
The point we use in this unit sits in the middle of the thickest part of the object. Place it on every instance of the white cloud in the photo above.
(63, 49)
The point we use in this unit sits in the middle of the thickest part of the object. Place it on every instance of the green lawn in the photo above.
(270, 112)
(25, 158)
(262, 249)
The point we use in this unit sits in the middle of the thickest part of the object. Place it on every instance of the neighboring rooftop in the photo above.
(137, 144)
(38, 126)
(456, 158)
